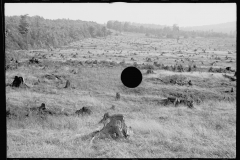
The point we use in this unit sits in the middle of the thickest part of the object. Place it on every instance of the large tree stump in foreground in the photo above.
(114, 129)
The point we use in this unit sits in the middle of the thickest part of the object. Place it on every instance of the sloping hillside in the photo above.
(45, 33)
(93, 68)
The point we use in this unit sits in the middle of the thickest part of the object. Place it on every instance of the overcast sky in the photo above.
(183, 14)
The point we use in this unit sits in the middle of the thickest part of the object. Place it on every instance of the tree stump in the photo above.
(67, 84)
(17, 82)
(117, 96)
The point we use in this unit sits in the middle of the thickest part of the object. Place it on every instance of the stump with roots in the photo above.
(114, 129)
(176, 101)
(84, 111)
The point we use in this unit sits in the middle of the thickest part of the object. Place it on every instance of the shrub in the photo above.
(148, 66)
(180, 68)
(169, 36)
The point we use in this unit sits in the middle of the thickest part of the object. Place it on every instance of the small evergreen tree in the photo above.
(23, 27)
(104, 31)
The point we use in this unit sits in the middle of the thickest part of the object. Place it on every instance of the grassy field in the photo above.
(206, 131)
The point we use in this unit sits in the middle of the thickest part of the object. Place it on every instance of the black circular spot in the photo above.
(131, 77)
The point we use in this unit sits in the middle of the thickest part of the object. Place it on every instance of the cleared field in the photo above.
(93, 66)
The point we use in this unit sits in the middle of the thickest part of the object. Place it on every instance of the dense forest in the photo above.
(161, 31)
(25, 32)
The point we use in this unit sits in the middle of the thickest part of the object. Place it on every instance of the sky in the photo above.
(183, 14)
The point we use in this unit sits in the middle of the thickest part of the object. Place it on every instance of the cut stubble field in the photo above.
(93, 66)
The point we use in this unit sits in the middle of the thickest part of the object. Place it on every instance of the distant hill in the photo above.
(218, 30)
(154, 26)
(229, 28)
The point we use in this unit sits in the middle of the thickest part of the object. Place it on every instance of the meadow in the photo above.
(93, 66)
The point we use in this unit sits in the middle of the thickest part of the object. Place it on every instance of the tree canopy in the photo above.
(43, 33)
(158, 30)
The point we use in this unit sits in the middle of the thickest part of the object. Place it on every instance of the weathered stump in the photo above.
(67, 84)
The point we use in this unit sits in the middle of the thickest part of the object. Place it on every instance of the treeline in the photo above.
(24, 32)
(162, 31)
